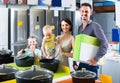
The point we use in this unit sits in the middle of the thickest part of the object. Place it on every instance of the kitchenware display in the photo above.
(6, 60)
(83, 76)
(5, 53)
(24, 60)
(51, 63)
(7, 72)
(5, 56)
(34, 75)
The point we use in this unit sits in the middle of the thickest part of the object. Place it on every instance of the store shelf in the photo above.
(104, 9)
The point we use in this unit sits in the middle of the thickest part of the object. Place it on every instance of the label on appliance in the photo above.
(19, 23)
(32, 2)
(37, 27)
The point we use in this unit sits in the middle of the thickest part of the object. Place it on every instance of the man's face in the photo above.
(85, 13)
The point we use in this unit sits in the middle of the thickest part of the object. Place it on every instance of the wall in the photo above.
(117, 9)
(107, 21)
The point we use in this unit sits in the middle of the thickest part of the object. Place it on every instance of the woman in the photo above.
(66, 42)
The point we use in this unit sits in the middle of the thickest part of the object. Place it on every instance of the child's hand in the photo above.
(21, 52)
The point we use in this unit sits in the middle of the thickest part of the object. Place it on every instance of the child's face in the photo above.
(32, 41)
(47, 35)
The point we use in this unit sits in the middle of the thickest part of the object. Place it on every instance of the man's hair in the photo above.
(86, 4)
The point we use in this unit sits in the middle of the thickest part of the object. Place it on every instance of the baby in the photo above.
(48, 43)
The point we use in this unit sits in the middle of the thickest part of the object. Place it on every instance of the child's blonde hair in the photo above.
(47, 28)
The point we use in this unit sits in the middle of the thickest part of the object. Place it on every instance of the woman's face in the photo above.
(65, 26)
(32, 42)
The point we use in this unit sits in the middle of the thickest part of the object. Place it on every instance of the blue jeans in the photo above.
(89, 67)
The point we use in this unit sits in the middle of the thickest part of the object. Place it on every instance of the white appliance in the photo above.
(4, 28)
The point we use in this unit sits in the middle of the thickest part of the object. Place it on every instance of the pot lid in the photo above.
(34, 73)
(5, 51)
(83, 74)
(23, 55)
(5, 70)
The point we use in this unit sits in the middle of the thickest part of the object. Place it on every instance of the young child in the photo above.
(48, 43)
(32, 47)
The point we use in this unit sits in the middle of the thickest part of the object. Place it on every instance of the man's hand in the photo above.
(92, 62)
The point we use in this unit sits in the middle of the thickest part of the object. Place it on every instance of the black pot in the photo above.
(34, 75)
(6, 60)
(24, 62)
(51, 64)
(5, 53)
(7, 72)
(83, 76)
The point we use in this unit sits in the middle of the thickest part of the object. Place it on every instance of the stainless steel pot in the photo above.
(83, 76)
(7, 72)
(34, 75)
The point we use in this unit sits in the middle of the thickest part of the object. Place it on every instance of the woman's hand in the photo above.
(75, 66)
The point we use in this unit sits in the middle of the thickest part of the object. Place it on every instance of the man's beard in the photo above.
(83, 19)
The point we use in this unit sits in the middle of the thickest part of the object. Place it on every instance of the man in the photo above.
(91, 28)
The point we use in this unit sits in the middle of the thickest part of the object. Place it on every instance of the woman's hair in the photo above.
(33, 37)
(67, 20)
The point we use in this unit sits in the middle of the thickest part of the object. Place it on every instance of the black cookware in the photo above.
(5, 53)
(24, 62)
(51, 64)
(34, 75)
(83, 76)
(7, 72)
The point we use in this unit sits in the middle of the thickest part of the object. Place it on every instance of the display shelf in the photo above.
(104, 9)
